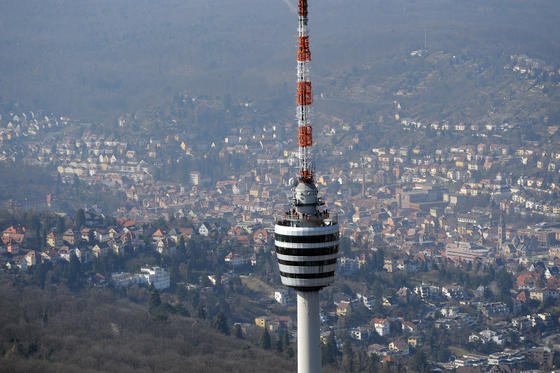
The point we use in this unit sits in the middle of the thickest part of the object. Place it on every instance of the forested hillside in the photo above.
(95, 330)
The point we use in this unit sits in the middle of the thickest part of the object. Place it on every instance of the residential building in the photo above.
(382, 326)
(156, 276)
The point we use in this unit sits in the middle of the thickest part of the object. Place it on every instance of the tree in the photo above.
(373, 363)
(201, 312)
(35, 224)
(237, 331)
(378, 259)
(347, 357)
(443, 354)
(504, 282)
(345, 245)
(181, 248)
(40, 273)
(91, 236)
(265, 340)
(419, 362)
(80, 219)
(290, 352)
(74, 272)
(221, 324)
(361, 361)
(60, 225)
(279, 344)
(155, 300)
(329, 351)
(286, 337)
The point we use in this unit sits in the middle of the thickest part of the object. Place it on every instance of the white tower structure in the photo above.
(306, 235)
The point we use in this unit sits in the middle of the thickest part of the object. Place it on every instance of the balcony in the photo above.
(291, 218)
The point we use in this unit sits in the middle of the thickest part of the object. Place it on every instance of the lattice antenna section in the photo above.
(304, 95)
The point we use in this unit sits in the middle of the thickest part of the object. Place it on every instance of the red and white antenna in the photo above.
(304, 97)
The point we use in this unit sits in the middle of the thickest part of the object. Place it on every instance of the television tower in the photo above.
(306, 236)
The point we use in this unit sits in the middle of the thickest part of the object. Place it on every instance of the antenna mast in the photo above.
(304, 97)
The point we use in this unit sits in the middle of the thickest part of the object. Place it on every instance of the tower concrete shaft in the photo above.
(308, 332)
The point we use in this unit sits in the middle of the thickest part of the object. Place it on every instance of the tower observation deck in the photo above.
(306, 239)
(306, 235)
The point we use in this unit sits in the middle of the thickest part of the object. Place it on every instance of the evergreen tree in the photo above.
(74, 272)
(238, 332)
(181, 248)
(36, 225)
(279, 344)
(80, 219)
(504, 282)
(60, 225)
(290, 352)
(40, 273)
(201, 312)
(329, 351)
(361, 361)
(221, 324)
(265, 340)
(91, 237)
(286, 337)
(419, 362)
(373, 363)
(155, 300)
(347, 357)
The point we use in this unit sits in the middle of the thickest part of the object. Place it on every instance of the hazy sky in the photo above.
(103, 57)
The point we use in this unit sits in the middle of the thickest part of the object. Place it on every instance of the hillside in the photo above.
(55, 330)
(98, 60)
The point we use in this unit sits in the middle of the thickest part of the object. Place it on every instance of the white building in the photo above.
(203, 230)
(464, 252)
(427, 291)
(282, 296)
(235, 260)
(195, 177)
(156, 276)
(382, 326)
(360, 333)
(126, 279)
(367, 300)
